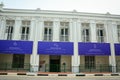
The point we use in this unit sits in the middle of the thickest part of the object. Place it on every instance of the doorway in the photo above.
(18, 61)
(90, 62)
(54, 63)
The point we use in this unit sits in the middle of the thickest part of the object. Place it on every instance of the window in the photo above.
(64, 31)
(100, 33)
(9, 29)
(48, 31)
(118, 32)
(85, 32)
(25, 29)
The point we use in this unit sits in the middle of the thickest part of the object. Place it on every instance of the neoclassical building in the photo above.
(59, 41)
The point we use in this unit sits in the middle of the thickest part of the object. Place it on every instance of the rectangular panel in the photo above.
(117, 49)
(55, 48)
(16, 47)
(94, 49)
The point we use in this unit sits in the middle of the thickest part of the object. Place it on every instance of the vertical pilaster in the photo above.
(71, 31)
(79, 30)
(112, 60)
(34, 59)
(75, 57)
(16, 34)
(2, 28)
(115, 32)
(41, 30)
(32, 29)
(93, 31)
(56, 28)
(106, 31)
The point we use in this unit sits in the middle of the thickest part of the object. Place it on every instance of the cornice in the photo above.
(66, 13)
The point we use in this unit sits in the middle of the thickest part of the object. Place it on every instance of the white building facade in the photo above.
(60, 41)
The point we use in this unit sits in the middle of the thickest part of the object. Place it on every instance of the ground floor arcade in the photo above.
(57, 63)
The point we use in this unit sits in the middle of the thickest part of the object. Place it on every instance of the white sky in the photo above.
(92, 6)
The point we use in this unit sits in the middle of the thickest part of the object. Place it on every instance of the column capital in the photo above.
(92, 22)
(18, 18)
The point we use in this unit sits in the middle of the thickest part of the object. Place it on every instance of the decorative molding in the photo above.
(10, 17)
(118, 22)
(100, 21)
(85, 20)
(65, 19)
(2, 18)
(26, 17)
(48, 18)
(74, 19)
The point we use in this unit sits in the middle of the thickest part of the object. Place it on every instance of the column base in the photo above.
(34, 68)
(113, 69)
(75, 69)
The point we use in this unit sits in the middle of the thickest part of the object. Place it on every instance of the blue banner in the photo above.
(55, 48)
(92, 49)
(16, 47)
(117, 49)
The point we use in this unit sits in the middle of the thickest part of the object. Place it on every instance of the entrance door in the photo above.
(89, 62)
(54, 63)
(18, 61)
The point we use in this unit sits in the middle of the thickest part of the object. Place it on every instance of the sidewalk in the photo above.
(58, 74)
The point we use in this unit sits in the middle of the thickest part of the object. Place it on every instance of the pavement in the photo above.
(55, 74)
(58, 76)
(21, 77)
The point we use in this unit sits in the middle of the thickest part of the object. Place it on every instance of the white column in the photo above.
(16, 34)
(71, 31)
(32, 30)
(56, 28)
(112, 59)
(115, 33)
(106, 31)
(93, 31)
(79, 30)
(41, 30)
(75, 57)
(34, 59)
(2, 27)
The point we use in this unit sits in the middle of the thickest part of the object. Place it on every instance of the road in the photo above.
(59, 78)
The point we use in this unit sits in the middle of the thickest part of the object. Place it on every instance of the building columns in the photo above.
(56, 28)
(16, 35)
(112, 59)
(93, 31)
(34, 59)
(2, 28)
(75, 57)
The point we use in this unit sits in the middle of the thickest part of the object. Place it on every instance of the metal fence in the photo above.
(58, 68)
(97, 68)
(14, 67)
(82, 68)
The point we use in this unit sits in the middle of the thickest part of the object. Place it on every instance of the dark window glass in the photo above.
(23, 30)
(50, 31)
(66, 31)
(45, 31)
(27, 30)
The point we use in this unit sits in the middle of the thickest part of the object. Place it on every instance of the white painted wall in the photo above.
(75, 19)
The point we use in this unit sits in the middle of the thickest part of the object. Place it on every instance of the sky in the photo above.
(91, 6)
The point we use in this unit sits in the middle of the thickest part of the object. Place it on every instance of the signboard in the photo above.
(117, 49)
(94, 49)
(16, 47)
(55, 48)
